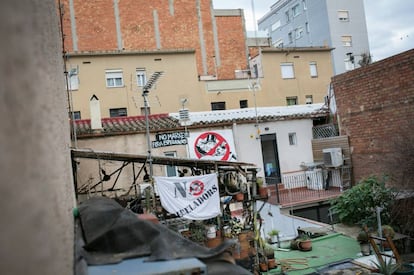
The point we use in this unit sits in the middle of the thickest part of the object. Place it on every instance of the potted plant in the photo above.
(263, 265)
(386, 267)
(387, 231)
(405, 269)
(304, 242)
(273, 235)
(363, 240)
(262, 189)
(270, 255)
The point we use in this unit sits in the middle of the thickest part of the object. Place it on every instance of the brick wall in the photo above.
(376, 108)
(94, 28)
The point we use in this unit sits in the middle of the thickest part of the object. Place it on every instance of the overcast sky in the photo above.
(389, 22)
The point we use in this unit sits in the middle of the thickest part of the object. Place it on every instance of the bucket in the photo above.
(211, 232)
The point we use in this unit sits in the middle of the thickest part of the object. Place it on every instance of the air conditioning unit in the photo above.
(332, 157)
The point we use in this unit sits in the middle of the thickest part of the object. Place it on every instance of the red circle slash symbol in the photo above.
(196, 188)
(212, 145)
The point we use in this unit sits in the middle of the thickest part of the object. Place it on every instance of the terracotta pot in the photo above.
(263, 266)
(263, 192)
(271, 263)
(213, 242)
(305, 245)
(239, 197)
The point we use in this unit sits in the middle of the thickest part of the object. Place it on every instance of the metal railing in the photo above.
(304, 186)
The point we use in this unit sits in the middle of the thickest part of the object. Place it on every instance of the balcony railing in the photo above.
(307, 186)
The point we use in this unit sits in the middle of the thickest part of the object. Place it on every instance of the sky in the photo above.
(389, 22)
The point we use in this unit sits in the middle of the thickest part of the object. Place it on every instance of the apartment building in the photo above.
(287, 77)
(337, 24)
(113, 49)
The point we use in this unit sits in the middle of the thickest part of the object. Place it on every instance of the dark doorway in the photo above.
(270, 158)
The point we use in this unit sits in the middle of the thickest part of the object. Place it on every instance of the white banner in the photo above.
(193, 198)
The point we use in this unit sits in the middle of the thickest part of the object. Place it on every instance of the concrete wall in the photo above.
(248, 149)
(36, 187)
(376, 108)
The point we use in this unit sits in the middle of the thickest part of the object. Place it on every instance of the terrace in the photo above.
(304, 187)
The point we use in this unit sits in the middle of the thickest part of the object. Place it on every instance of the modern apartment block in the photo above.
(338, 24)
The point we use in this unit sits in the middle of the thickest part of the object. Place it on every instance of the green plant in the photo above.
(387, 230)
(362, 237)
(273, 232)
(386, 267)
(358, 204)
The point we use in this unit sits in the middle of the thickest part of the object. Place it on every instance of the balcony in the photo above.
(305, 187)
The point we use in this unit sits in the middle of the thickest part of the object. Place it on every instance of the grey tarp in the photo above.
(112, 233)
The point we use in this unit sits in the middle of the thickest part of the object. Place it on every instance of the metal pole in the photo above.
(147, 132)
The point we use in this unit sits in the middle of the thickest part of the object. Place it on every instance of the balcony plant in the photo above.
(386, 266)
(303, 242)
(363, 240)
(387, 231)
(273, 235)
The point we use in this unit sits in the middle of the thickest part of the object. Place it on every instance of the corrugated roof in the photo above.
(166, 122)
(263, 114)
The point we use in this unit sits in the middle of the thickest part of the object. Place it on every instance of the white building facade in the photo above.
(337, 24)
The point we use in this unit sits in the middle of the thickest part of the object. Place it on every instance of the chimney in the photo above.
(95, 107)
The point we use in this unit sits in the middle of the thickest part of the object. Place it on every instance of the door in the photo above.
(270, 158)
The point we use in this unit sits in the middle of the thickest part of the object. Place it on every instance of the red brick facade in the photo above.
(376, 106)
(178, 28)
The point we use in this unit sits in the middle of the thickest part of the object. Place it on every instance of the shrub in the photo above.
(358, 204)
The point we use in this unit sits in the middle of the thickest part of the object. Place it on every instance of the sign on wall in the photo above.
(212, 145)
(169, 139)
(194, 198)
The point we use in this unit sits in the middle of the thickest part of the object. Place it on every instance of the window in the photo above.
(117, 112)
(343, 15)
(290, 37)
(276, 25)
(298, 32)
(304, 5)
(296, 10)
(292, 100)
(243, 104)
(141, 77)
(215, 106)
(346, 41)
(287, 16)
(73, 80)
(309, 99)
(287, 70)
(170, 170)
(75, 115)
(307, 27)
(114, 78)
(292, 139)
(313, 69)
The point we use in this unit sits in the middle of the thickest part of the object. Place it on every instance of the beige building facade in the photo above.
(285, 77)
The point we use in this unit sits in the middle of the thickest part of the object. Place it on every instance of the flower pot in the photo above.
(239, 197)
(263, 266)
(263, 192)
(271, 263)
(405, 269)
(365, 249)
(305, 245)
